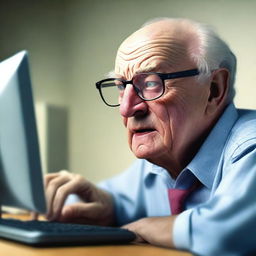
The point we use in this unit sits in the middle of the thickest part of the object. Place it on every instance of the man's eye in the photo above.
(150, 84)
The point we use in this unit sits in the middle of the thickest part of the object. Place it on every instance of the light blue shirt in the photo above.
(220, 217)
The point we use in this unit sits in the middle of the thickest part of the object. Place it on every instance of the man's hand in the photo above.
(96, 206)
(154, 230)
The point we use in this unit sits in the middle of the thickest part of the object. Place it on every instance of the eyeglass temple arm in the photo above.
(98, 85)
(192, 72)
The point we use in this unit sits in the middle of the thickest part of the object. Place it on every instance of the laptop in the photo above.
(21, 183)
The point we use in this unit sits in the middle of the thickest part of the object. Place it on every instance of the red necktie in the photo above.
(177, 197)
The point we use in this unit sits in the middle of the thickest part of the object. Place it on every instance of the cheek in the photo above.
(178, 103)
(163, 120)
(172, 113)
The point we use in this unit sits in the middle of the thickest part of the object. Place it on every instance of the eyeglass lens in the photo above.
(147, 85)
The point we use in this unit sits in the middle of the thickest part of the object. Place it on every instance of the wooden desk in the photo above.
(14, 249)
(9, 248)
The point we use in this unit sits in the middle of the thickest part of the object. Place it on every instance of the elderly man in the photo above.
(193, 185)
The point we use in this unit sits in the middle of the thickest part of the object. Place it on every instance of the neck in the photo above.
(174, 163)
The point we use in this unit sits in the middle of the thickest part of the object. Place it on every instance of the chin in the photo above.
(144, 152)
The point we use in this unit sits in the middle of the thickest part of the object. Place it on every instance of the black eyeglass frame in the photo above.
(163, 77)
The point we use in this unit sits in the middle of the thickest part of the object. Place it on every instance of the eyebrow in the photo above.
(147, 69)
(112, 74)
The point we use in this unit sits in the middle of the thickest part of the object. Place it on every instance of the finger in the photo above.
(51, 190)
(86, 213)
(138, 238)
(133, 227)
(49, 176)
(72, 187)
(60, 196)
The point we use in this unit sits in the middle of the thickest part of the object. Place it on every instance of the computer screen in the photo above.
(21, 183)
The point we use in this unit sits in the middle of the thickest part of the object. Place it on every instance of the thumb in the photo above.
(80, 212)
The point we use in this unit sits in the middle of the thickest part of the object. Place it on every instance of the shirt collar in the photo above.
(205, 163)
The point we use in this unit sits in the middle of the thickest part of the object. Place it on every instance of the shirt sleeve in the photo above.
(226, 224)
(127, 192)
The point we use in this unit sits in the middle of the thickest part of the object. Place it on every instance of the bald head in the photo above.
(161, 45)
(174, 28)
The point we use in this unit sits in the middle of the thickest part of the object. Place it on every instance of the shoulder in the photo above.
(242, 137)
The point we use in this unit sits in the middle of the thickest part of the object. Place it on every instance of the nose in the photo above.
(131, 104)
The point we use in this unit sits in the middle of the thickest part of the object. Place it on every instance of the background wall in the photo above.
(72, 44)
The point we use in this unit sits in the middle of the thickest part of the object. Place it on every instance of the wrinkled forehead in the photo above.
(152, 48)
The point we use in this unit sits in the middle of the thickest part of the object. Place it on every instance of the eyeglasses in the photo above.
(148, 86)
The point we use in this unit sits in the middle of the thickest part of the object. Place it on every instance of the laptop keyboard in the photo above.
(54, 227)
(52, 233)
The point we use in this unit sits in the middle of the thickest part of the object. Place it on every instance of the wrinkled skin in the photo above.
(178, 121)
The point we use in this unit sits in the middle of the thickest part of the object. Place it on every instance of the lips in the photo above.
(144, 130)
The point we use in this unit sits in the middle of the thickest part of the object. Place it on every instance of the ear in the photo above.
(218, 90)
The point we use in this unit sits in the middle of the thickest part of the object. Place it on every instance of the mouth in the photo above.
(143, 131)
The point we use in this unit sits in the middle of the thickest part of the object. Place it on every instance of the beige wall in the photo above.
(72, 44)
(39, 28)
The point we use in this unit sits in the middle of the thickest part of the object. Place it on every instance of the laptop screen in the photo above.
(21, 182)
